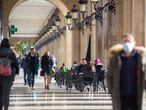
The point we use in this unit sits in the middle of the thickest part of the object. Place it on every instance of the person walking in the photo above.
(6, 81)
(47, 65)
(125, 76)
(100, 74)
(24, 67)
(54, 61)
(32, 60)
(64, 71)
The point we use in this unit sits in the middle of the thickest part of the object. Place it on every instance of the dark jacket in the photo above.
(113, 75)
(33, 62)
(128, 76)
(84, 69)
(24, 63)
(7, 52)
(99, 69)
(46, 63)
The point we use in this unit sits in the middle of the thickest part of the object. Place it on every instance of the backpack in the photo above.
(5, 67)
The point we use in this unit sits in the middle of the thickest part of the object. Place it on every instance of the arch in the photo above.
(63, 9)
(58, 3)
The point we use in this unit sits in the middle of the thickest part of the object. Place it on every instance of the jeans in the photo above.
(5, 88)
(31, 78)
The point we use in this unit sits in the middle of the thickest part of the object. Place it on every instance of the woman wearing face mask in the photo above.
(125, 76)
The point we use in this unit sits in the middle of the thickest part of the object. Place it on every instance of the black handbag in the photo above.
(42, 73)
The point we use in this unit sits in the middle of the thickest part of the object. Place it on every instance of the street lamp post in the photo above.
(72, 17)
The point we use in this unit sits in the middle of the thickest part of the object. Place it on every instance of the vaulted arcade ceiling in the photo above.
(30, 17)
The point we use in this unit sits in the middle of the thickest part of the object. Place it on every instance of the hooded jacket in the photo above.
(113, 74)
(7, 52)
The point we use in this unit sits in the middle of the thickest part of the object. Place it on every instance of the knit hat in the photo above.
(98, 61)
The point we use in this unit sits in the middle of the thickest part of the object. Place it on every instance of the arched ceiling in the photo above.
(30, 17)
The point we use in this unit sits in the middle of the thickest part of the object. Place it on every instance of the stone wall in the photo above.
(130, 18)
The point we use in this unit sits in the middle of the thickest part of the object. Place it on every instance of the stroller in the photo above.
(58, 78)
(86, 80)
(71, 79)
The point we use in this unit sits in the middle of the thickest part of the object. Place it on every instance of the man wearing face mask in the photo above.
(125, 76)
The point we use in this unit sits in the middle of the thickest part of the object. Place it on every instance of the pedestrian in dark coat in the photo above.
(125, 76)
(32, 60)
(100, 73)
(47, 65)
(24, 67)
(7, 81)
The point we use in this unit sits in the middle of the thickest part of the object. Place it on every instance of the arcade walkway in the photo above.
(22, 98)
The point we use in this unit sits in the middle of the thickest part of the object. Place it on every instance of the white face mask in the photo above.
(128, 47)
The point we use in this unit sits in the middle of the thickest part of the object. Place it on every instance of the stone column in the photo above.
(76, 45)
(54, 47)
(62, 50)
(84, 36)
(67, 43)
(103, 41)
(68, 36)
(139, 21)
(93, 38)
(102, 33)
(99, 39)
(130, 18)
(57, 54)
(82, 45)
(48, 47)
(119, 20)
(51, 48)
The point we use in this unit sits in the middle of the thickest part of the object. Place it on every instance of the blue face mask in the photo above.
(128, 47)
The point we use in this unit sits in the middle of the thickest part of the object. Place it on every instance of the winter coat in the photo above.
(33, 64)
(7, 52)
(46, 64)
(84, 69)
(113, 75)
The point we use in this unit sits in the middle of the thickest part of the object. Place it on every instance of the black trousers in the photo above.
(25, 75)
(5, 87)
(129, 102)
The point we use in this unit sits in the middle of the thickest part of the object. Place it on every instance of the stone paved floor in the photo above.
(22, 98)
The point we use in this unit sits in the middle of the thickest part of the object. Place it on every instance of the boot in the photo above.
(25, 82)
(47, 87)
